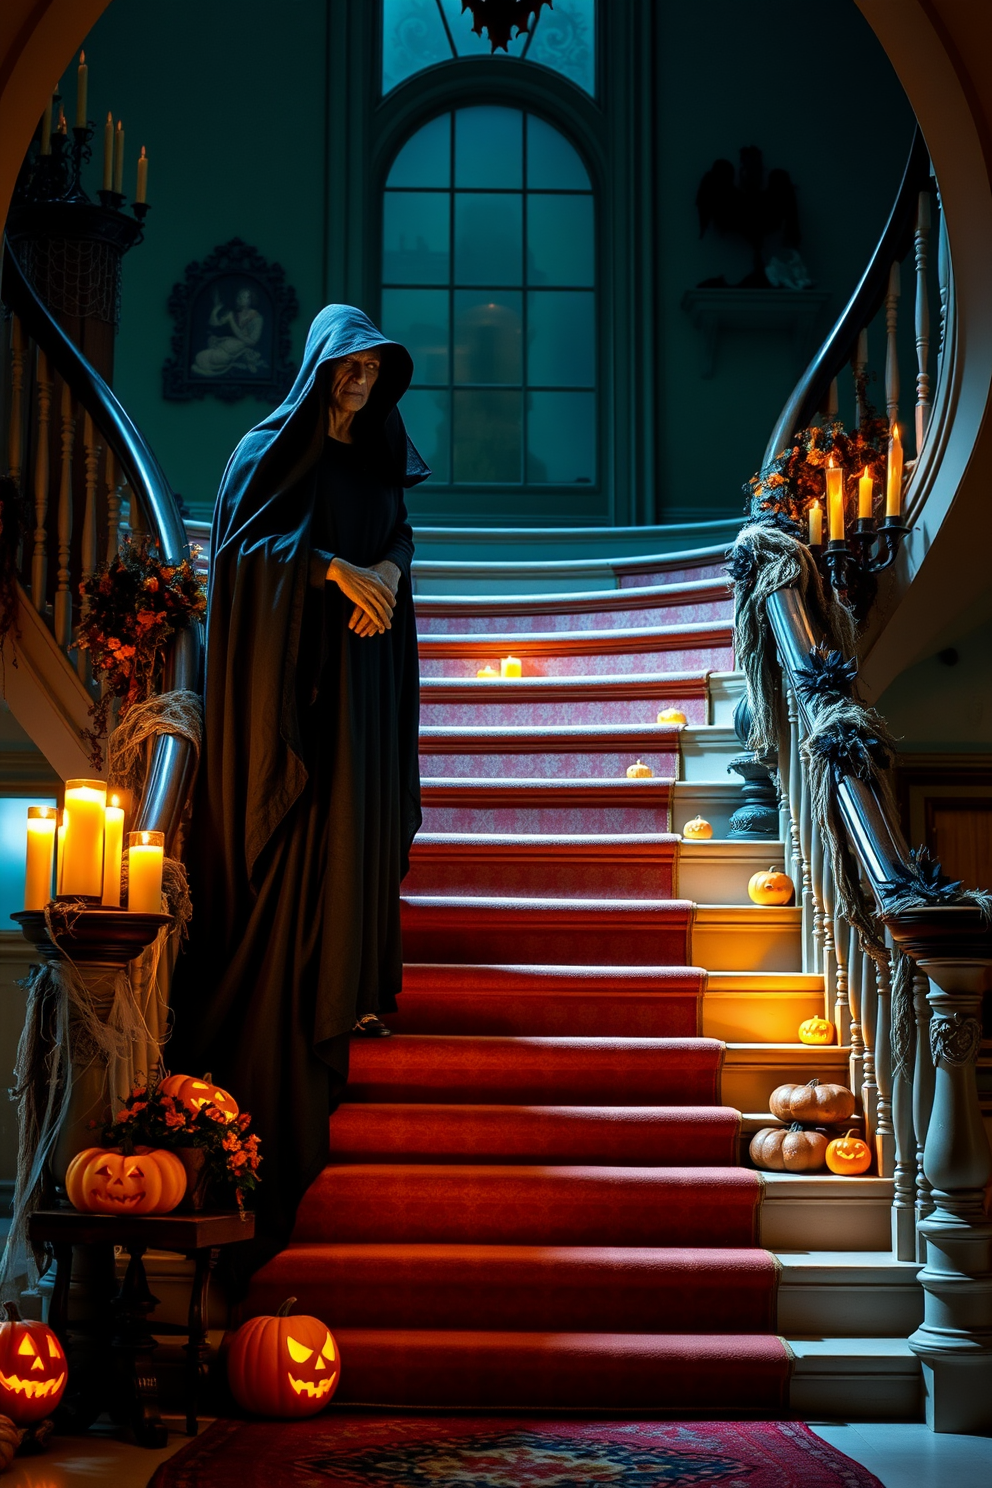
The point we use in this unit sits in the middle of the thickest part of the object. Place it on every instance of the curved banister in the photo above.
(172, 761)
(811, 390)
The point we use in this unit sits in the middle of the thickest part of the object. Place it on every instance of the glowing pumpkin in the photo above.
(819, 1105)
(102, 1180)
(194, 1094)
(672, 715)
(848, 1154)
(32, 1369)
(816, 1031)
(283, 1366)
(770, 887)
(697, 830)
(788, 1151)
(639, 771)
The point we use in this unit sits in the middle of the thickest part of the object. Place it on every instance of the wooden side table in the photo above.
(128, 1387)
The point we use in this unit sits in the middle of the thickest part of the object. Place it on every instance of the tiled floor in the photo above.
(900, 1456)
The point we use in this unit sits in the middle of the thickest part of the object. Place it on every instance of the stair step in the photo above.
(747, 937)
(633, 698)
(584, 932)
(718, 871)
(504, 1204)
(707, 750)
(867, 1294)
(553, 1288)
(707, 646)
(656, 604)
(643, 1136)
(536, 1071)
(754, 1007)
(581, 1001)
(813, 1211)
(612, 1371)
(514, 864)
(856, 1379)
(714, 800)
(570, 805)
(582, 751)
(751, 1071)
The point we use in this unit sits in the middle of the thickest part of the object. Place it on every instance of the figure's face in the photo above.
(352, 380)
(244, 299)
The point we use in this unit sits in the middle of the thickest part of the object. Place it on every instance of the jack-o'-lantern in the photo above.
(32, 1369)
(672, 715)
(848, 1154)
(697, 830)
(639, 771)
(795, 1150)
(770, 887)
(102, 1180)
(194, 1094)
(815, 1103)
(283, 1366)
(816, 1031)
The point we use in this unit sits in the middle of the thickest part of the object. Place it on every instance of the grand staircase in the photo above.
(539, 1192)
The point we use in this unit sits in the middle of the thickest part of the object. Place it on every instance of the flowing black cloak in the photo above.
(308, 795)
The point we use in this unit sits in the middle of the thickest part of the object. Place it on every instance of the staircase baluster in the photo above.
(785, 822)
(869, 1024)
(15, 435)
(891, 346)
(860, 369)
(884, 1135)
(943, 285)
(39, 555)
(816, 877)
(855, 957)
(831, 995)
(810, 945)
(923, 1084)
(113, 488)
(832, 401)
(904, 1176)
(921, 244)
(88, 547)
(63, 590)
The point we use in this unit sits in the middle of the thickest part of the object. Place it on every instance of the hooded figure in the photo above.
(308, 796)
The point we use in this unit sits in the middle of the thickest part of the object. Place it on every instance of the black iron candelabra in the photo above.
(850, 563)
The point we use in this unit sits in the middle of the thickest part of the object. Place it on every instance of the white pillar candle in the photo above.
(40, 856)
(510, 667)
(108, 154)
(82, 848)
(82, 85)
(119, 158)
(815, 524)
(113, 852)
(146, 854)
(835, 500)
(893, 488)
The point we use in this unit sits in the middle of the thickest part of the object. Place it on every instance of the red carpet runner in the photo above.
(534, 1198)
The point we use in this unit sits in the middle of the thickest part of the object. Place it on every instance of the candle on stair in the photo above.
(510, 667)
(113, 852)
(40, 856)
(82, 845)
(487, 673)
(146, 854)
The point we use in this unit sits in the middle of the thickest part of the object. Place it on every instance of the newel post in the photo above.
(952, 946)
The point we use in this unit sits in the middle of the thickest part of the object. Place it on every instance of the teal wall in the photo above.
(233, 104)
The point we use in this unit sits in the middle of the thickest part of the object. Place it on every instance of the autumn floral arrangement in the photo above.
(132, 606)
(212, 1137)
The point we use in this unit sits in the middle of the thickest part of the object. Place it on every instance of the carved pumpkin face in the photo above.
(816, 1031)
(283, 1366)
(770, 887)
(32, 1369)
(697, 830)
(194, 1094)
(104, 1181)
(849, 1154)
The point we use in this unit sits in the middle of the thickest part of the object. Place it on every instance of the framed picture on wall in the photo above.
(231, 340)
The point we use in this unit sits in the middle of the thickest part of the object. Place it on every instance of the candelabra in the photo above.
(850, 563)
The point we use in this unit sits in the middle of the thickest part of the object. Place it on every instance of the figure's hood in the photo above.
(343, 330)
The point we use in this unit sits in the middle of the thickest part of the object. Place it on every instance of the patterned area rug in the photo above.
(375, 1451)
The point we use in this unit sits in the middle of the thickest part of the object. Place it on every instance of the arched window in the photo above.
(422, 33)
(489, 278)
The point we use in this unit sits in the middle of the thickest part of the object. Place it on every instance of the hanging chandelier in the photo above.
(498, 17)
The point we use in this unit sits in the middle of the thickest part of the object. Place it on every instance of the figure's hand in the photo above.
(373, 599)
(389, 574)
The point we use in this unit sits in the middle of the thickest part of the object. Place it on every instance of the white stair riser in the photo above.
(842, 1223)
(854, 1311)
(750, 940)
(893, 1395)
(712, 800)
(750, 1017)
(718, 871)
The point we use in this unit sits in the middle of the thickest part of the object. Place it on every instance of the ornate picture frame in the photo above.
(232, 314)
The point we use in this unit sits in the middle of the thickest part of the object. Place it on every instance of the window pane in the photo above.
(488, 336)
(415, 237)
(412, 38)
(559, 240)
(561, 437)
(425, 159)
(489, 147)
(552, 163)
(466, 42)
(488, 239)
(560, 339)
(426, 417)
(565, 40)
(487, 436)
(419, 319)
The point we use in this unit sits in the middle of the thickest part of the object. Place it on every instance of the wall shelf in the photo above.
(716, 311)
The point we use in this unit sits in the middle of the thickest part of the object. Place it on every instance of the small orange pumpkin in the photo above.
(639, 771)
(283, 1366)
(792, 1150)
(697, 830)
(33, 1369)
(771, 887)
(816, 1031)
(672, 715)
(104, 1180)
(194, 1094)
(815, 1103)
(849, 1154)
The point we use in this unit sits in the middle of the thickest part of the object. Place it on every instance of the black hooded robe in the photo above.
(308, 795)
